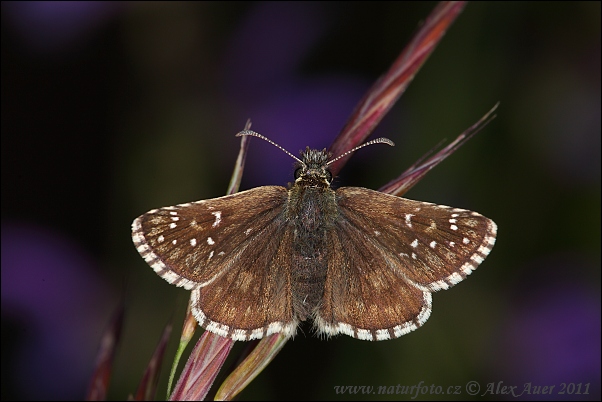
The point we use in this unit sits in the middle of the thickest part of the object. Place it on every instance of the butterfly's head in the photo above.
(312, 170)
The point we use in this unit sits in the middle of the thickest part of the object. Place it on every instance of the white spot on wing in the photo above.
(477, 258)
(484, 250)
(218, 218)
(433, 244)
(161, 239)
(217, 328)
(256, 333)
(274, 328)
(193, 242)
(414, 243)
(467, 268)
(454, 278)
(364, 335)
(210, 242)
(382, 334)
(438, 285)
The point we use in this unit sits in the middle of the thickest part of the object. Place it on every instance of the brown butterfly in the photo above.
(355, 261)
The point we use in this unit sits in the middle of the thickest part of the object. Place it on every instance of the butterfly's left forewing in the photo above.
(220, 247)
(433, 246)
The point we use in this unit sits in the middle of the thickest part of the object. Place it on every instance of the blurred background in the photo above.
(112, 109)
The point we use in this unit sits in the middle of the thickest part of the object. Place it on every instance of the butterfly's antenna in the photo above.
(254, 134)
(375, 141)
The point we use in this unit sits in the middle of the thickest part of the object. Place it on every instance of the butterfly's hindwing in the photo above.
(363, 296)
(253, 298)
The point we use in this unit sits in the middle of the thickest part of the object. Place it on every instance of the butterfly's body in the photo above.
(311, 211)
(355, 261)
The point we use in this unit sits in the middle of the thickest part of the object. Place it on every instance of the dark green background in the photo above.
(135, 106)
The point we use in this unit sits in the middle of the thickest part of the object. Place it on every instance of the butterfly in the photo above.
(353, 260)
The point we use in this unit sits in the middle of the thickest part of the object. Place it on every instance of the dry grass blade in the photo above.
(255, 362)
(99, 382)
(389, 87)
(148, 385)
(414, 173)
(205, 361)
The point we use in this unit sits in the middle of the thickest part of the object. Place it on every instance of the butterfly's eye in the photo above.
(298, 172)
(328, 176)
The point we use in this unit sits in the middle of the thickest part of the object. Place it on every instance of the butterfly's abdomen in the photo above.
(311, 212)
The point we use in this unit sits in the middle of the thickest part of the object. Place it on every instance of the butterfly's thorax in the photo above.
(311, 210)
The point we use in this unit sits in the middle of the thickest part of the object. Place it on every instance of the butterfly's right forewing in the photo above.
(220, 247)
